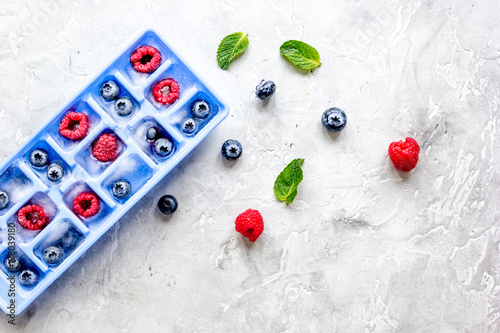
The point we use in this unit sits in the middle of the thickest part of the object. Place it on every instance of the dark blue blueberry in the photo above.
(53, 255)
(151, 133)
(121, 189)
(4, 199)
(334, 119)
(231, 149)
(124, 106)
(167, 204)
(55, 172)
(189, 126)
(110, 90)
(70, 239)
(39, 158)
(12, 264)
(28, 278)
(265, 89)
(163, 147)
(200, 109)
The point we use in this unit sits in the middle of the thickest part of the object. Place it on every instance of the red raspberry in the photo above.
(145, 59)
(74, 126)
(86, 204)
(166, 91)
(404, 154)
(250, 224)
(106, 148)
(32, 217)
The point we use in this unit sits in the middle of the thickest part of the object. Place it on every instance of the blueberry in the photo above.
(151, 133)
(167, 204)
(28, 278)
(334, 119)
(53, 255)
(12, 264)
(55, 172)
(70, 239)
(124, 106)
(39, 158)
(265, 89)
(163, 147)
(110, 90)
(189, 126)
(200, 109)
(231, 149)
(4, 199)
(121, 189)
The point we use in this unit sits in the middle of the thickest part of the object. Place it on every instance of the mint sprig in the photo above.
(231, 46)
(300, 54)
(285, 186)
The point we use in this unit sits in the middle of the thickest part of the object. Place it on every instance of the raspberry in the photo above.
(86, 204)
(106, 148)
(32, 217)
(250, 224)
(166, 91)
(145, 59)
(404, 154)
(74, 126)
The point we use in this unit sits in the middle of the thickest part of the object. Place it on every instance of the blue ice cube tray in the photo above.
(137, 162)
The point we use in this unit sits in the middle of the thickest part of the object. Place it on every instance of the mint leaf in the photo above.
(230, 47)
(300, 54)
(285, 186)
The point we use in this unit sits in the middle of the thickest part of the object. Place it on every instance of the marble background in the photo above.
(363, 248)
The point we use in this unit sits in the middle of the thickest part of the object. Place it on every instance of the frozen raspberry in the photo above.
(145, 59)
(86, 204)
(404, 154)
(32, 217)
(74, 126)
(250, 224)
(166, 91)
(105, 148)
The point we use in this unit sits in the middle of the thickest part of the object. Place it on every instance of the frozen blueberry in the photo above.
(163, 147)
(231, 149)
(265, 89)
(70, 239)
(167, 204)
(55, 172)
(151, 133)
(121, 189)
(28, 278)
(200, 109)
(12, 264)
(110, 90)
(53, 255)
(4, 199)
(39, 158)
(189, 126)
(334, 119)
(124, 106)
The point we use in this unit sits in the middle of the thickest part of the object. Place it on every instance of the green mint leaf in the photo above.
(230, 47)
(300, 54)
(285, 186)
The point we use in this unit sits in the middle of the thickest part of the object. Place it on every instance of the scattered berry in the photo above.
(4, 199)
(55, 172)
(106, 148)
(200, 109)
(53, 255)
(124, 106)
(231, 149)
(86, 204)
(145, 59)
(163, 147)
(39, 158)
(151, 133)
(74, 126)
(167, 204)
(189, 126)
(32, 217)
(12, 264)
(166, 91)
(121, 189)
(250, 224)
(28, 278)
(110, 90)
(265, 89)
(334, 119)
(404, 154)
(70, 239)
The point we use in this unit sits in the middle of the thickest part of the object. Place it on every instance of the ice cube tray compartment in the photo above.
(138, 163)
